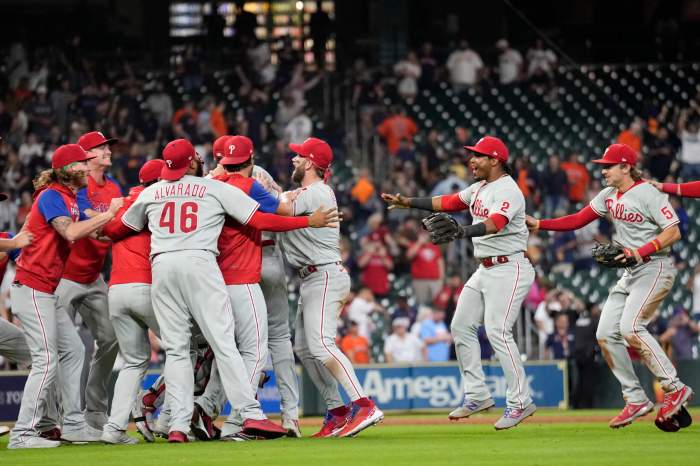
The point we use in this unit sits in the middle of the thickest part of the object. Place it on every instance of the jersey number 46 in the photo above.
(187, 217)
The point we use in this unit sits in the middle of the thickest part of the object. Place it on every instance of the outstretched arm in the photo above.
(448, 203)
(566, 223)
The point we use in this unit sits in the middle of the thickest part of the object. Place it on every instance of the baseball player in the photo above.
(131, 312)
(55, 221)
(185, 214)
(82, 288)
(494, 293)
(218, 150)
(325, 285)
(647, 226)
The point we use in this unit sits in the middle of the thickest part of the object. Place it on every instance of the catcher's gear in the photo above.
(442, 228)
(614, 255)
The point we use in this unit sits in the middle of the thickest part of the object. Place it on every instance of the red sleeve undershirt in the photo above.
(273, 222)
(452, 203)
(691, 189)
(570, 222)
(499, 220)
(115, 229)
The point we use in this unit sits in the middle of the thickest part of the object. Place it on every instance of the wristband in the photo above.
(423, 203)
(650, 248)
(476, 229)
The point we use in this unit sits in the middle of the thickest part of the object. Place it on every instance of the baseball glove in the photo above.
(442, 228)
(608, 255)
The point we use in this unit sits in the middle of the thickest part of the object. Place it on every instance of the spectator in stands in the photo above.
(427, 268)
(360, 309)
(436, 337)
(585, 352)
(632, 136)
(61, 100)
(15, 176)
(556, 188)
(402, 346)
(660, 155)
(161, 105)
(689, 133)
(29, 150)
(41, 113)
(560, 343)
(680, 336)
(354, 345)
(693, 286)
(464, 66)
(245, 24)
(397, 127)
(185, 122)
(428, 66)
(431, 157)
(321, 28)
(408, 72)
(299, 128)
(404, 309)
(578, 177)
(540, 64)
(5, 119)
(375, 263)
(446, 299)
(510, 63)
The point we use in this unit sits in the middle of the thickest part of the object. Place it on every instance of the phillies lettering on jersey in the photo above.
(41, 264)
(187, 214)
(617, 211)
(501, 196)
(638, 215)
(88, 255)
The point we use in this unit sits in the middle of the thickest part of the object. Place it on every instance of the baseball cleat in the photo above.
(177, 437)
(361, 417)
(4, 430)
(52, 434)
(673, 401)
(33, 442)
(470, 407)
(202, 425)
(513, 416)
(85, 435)
(240, 437)
(630, 412)
(140, 414)
(683, 417)
(117, 437)
(332, 424)
(263, 428)
(292, 427)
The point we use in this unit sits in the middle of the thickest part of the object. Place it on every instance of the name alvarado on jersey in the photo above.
(180, 189)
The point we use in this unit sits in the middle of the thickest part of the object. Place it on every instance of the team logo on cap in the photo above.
(169, 163)
(231, 148)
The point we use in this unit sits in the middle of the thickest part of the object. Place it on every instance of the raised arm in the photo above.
(447, 203)
(73, 231)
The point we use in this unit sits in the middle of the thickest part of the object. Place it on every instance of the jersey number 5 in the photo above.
(667, 213)
(188, 217)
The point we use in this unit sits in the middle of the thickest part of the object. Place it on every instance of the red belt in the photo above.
(267, 242)
(491, 261)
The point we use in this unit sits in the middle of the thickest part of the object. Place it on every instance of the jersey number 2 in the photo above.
(188, 217)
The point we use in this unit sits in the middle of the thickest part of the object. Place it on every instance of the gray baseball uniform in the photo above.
(131, 312)
(185, 218)
(494, 293)
(638, 215)
(324, 287)
(279, 340)
(90, 301)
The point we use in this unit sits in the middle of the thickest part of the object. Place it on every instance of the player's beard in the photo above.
(76, 179)
(298, 174)
(199, 171)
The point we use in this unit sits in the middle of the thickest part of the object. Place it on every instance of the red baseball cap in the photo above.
(316, 150)
(151, 170)
(219, 147)
(67, 154)
(618, 153)
(89, 141)
(177, 156)
(238, 150)
(491, 147)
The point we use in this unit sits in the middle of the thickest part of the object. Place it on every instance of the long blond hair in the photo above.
(65, 177)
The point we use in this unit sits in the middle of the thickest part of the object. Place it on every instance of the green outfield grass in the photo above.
(532, 443)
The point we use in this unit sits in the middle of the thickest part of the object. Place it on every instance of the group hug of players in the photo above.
(191, 264)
